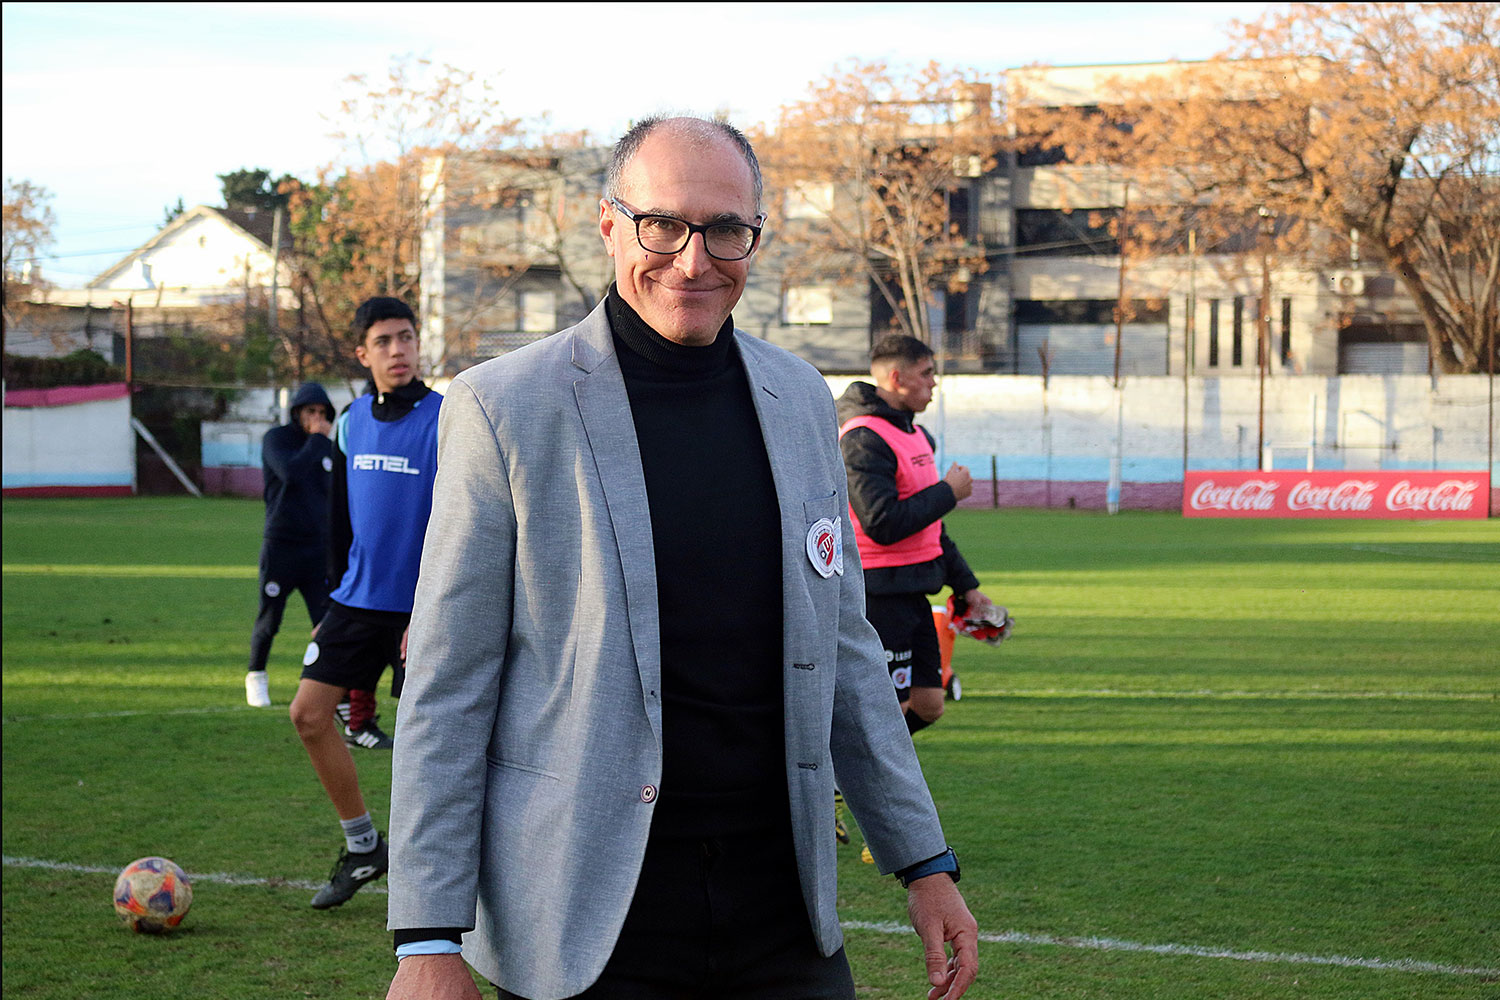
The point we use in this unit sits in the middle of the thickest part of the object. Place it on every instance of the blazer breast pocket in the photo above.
(825, 535)
(821, 507)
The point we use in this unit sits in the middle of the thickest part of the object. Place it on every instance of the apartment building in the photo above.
(512, 253)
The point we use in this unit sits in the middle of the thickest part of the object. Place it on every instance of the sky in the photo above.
(119, 110)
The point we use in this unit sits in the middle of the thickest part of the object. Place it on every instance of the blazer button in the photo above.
(648, 793)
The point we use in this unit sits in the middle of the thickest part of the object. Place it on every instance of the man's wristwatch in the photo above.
(945, 862)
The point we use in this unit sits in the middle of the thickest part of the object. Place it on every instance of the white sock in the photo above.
(359, 834)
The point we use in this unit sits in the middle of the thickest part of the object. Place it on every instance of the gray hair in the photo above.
(701, 131)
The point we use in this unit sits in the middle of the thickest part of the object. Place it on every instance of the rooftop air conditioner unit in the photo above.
(1348, 282)
(968, 166)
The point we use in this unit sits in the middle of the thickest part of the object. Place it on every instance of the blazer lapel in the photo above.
(605, 410)
(783, 434)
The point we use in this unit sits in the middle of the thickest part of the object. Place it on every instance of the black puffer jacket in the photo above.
(871, 466)
(296, 467)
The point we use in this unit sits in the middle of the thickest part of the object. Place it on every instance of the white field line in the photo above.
(1240, 695)
(1197, 951)
(218, 878)
(1003, 937)
(128, 713)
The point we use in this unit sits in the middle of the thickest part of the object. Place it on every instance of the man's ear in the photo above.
(359, 355)
(607, 226)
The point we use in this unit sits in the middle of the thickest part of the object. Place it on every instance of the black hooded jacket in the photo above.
(871, 466)
(296, 467)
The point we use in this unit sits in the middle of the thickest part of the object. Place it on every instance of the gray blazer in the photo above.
(529, 731)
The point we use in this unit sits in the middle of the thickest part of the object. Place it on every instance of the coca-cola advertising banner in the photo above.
(1417, 495)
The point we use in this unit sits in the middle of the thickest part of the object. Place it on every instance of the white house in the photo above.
(205, 257)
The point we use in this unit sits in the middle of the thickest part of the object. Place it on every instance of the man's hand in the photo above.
(939, 915)
(433, 977)
(958, 477)
(315, 421)
(404, 636)
(975, 601)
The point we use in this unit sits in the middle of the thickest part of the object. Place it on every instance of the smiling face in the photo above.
(686, 296)
(390, 352)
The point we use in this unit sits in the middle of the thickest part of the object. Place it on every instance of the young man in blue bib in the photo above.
(384, 461)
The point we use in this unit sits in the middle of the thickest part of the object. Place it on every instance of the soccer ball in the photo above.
(152, 895)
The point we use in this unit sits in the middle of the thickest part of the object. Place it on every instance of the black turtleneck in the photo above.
(716, 529)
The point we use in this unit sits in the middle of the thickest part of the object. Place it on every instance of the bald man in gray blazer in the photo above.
(530, 760)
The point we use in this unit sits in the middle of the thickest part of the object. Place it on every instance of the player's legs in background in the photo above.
(275, 585)
(924, 707)
(364, 855)
(312, 582)
(312, 714)
(362, 728)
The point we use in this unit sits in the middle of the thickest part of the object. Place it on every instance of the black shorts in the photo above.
(350, 653)
(904, 622)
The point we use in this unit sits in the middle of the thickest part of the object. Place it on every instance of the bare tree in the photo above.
(359, 227)
(1380, 120)
(872, 165)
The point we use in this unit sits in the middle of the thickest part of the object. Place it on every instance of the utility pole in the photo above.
(1120, 293)
(272, 309)
(1189, 336)
(130, 344)
(1117, 455)
(1263, 334)
(1492, 419)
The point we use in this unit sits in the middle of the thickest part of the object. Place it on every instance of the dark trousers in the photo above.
(719, 919)
(285, 567)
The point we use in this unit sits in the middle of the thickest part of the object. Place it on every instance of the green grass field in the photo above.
(1219, 759)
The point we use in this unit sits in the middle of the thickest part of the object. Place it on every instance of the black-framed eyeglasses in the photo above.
(667, 235)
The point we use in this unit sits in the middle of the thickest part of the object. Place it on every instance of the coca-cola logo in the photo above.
(1449, 495)
(1252, 494)
(1349, 495)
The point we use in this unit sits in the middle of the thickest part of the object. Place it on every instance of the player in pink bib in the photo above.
(896, 503)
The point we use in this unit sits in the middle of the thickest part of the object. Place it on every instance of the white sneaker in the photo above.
(257, 689)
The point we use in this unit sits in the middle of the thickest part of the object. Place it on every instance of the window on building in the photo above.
(1262, 315)
(1237, 342)
(803, 305)
(1056, 232)
(1079, 337)
(1213, 333)
(1098, 312)
(960, 212)
(882, 316)
(1286, 331)
(958, 320)
(538, 312)
(1373, 346)
(809, 200)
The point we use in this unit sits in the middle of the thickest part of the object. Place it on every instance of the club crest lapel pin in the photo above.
(825, 546)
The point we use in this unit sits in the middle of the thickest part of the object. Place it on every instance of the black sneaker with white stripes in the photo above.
(370, 736)
(350, 872)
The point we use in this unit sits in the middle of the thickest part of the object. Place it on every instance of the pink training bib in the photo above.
(916, 469)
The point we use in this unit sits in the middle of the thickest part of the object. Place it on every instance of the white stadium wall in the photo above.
(74, 441)
(231, 445)
(1051, 444)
